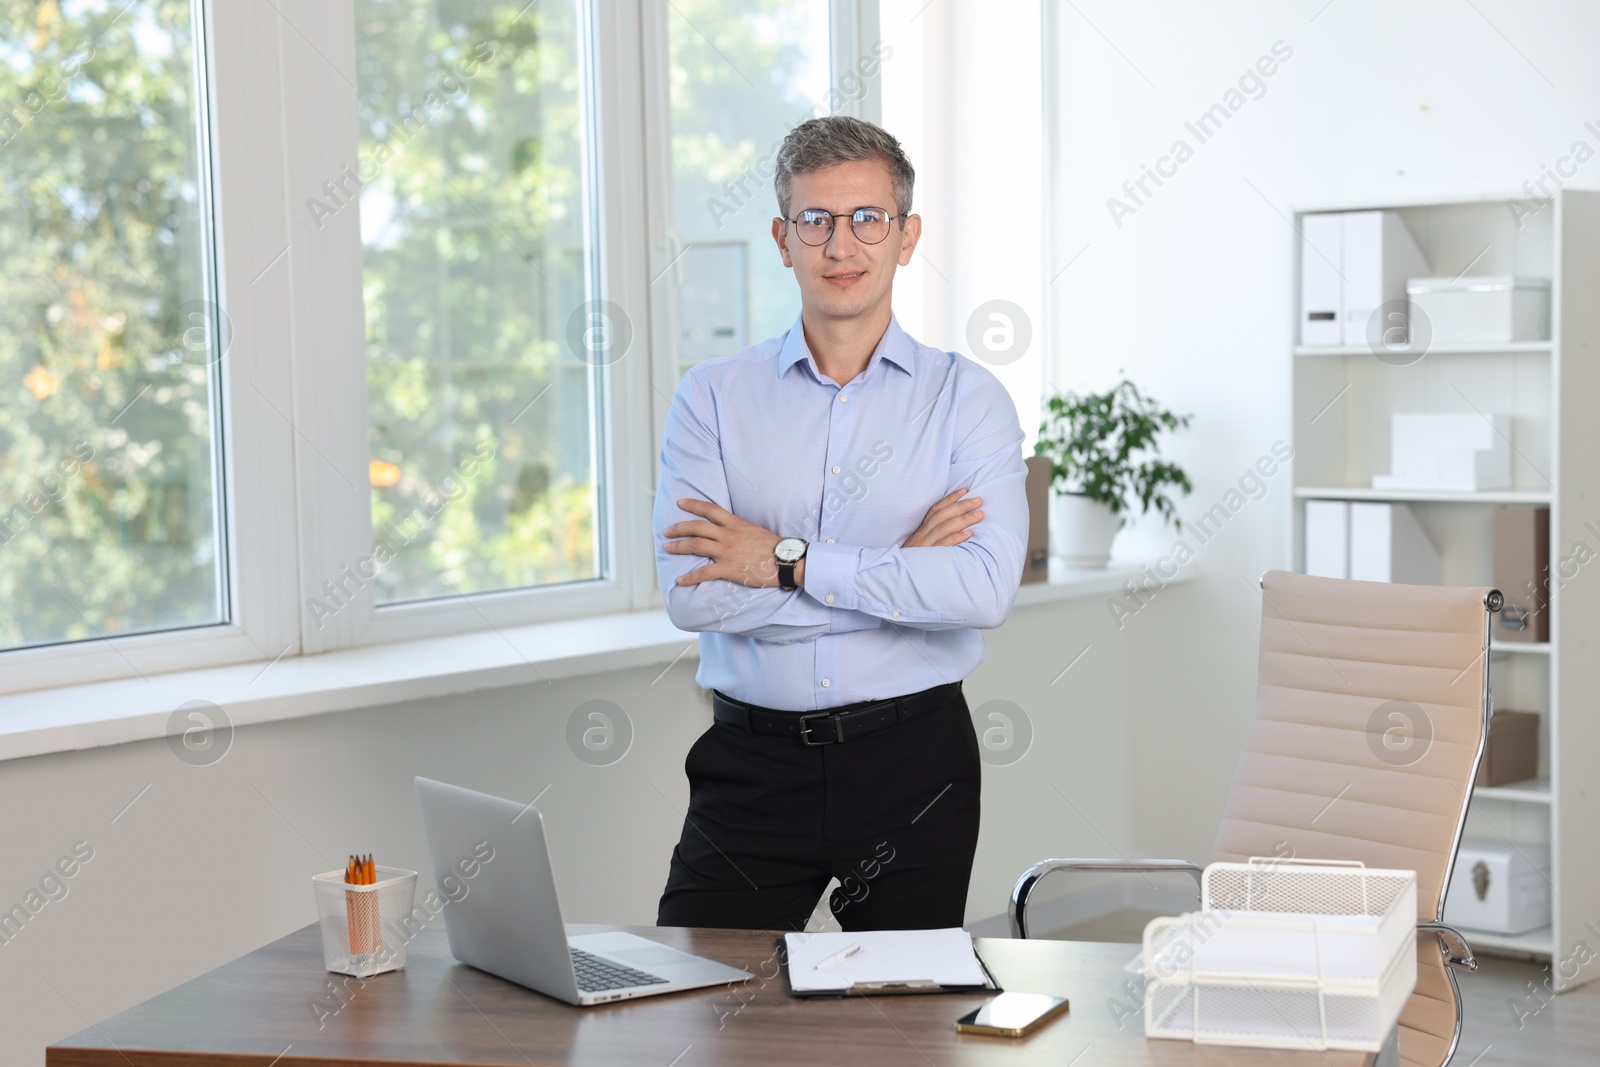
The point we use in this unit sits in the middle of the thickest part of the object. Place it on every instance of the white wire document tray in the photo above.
(1311, 954)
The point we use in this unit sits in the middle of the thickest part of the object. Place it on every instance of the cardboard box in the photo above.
(1499, 887)
(1036, 566)
(1512, 752)
(1522, 573)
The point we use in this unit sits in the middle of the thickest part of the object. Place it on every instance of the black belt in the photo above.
(832, 725)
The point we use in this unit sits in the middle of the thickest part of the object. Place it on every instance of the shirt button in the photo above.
(836, 470)
(829, 599)
(896, 615)
(824, 683)
(830, 540)
(843, 399)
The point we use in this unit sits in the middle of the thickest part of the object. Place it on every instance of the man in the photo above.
(840, 511)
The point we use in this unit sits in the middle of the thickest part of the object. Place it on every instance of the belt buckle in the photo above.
(805, 728)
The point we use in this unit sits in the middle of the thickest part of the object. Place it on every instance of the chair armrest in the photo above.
(1457, 953)
(1018, 908)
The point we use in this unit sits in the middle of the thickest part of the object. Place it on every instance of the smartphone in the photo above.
(1012, 1014)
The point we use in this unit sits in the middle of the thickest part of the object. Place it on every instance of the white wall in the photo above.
(974, 140)
(1191, 294)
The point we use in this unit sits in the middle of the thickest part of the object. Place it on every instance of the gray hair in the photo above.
(833, 139)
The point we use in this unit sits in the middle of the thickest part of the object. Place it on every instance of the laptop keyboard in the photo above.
(595, 975)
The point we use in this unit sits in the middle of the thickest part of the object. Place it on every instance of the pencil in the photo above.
(351, 905)
(361, 909)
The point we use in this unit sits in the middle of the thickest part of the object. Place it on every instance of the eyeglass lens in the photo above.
(870, 225)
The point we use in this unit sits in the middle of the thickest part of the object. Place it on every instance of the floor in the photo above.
(1509, 1022)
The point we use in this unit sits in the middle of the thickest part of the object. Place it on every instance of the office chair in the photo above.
(1372, 708)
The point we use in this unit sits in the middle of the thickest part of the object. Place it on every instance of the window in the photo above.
(479, 283)
(314, 338)
(742, 74)
(110, 338)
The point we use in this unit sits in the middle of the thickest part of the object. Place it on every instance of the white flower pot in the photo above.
(1081, 530)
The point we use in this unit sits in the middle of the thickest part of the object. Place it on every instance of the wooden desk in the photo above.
(277, 1006)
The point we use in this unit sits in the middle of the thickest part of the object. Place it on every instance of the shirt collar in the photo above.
(895, 346)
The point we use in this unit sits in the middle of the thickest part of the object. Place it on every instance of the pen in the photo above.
(842, 954)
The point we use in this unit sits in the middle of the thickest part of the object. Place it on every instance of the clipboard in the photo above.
(862, 989)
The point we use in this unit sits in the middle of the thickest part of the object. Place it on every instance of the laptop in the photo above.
(501, 914)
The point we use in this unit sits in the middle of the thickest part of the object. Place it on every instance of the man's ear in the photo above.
(782, 243)
(910, 237)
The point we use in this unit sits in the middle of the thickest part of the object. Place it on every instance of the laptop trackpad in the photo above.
(646, 958)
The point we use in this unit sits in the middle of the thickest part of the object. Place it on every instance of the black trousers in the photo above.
(892, 815)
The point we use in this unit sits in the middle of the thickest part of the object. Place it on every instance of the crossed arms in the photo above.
(959, 569)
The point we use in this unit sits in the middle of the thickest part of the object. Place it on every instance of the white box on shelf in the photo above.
(1499, 888)
(1461, 452)
(1285, 954)
(1321, 287)
(1487, 309)
(1387, 544)
(1352, 263)
(1328, 538)
(1379, 255)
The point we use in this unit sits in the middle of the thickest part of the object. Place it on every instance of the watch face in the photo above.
(790, 549)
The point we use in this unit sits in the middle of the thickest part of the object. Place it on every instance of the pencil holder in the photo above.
(363, 926)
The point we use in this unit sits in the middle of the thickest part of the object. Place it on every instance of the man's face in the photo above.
(845, 278)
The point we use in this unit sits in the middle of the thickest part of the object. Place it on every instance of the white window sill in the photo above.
(131, 709)
(68, 718)
(1069, 583)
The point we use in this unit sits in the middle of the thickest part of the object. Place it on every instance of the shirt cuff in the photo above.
(831, 574)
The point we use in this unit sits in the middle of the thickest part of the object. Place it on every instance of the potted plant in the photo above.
(1104, 458)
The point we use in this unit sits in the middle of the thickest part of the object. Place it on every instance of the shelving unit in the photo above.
(1341, 400)
(1486, 496)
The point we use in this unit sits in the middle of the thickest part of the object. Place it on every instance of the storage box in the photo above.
(1522, 573)
(1379, 256)
(364, 928)
(1499, 888)
(1328, 538)
(1352, 263)
(1486, 309)
(1512, 752)
(1387, 544)
(1447, 451)
(1036, 565)
(1285, 954)
(1369, 542)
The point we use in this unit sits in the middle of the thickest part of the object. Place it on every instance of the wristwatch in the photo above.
(789, 552)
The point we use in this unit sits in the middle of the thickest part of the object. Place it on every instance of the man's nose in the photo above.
(842, 241)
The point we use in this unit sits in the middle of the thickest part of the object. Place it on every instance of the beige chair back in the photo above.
(1370, 720)
(1369, 726)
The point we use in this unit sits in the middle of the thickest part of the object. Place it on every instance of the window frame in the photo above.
(236, 58)
(281, 116)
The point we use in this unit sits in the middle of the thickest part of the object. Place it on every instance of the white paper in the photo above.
(943, 956)
(1270, 944)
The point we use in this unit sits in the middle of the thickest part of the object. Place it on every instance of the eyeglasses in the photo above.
(814, 226)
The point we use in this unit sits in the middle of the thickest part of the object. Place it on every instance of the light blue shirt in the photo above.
(852, 469)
